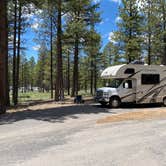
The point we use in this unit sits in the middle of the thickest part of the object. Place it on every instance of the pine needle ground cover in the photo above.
(145, 114)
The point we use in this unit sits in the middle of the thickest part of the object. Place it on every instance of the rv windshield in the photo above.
(115, 83)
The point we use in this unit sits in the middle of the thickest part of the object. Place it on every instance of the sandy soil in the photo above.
(143, 114)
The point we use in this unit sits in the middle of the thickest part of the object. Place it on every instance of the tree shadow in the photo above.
(52, 115)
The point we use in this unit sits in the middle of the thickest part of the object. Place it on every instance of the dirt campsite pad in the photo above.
(145, 114)
(48, 105)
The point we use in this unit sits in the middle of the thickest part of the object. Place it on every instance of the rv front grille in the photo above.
(99, 94)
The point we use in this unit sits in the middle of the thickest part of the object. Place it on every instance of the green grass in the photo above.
(39, 96)
(32, 96)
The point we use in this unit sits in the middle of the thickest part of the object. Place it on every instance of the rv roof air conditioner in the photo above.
(137, 62)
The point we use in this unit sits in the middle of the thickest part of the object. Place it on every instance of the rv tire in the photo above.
(114, 102)
(164, 101)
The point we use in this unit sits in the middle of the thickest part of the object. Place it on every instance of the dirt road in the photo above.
(70, 136)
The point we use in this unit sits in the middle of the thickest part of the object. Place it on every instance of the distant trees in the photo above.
(42, 69)
(141, 32)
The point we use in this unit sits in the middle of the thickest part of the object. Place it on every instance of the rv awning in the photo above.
(111, 71)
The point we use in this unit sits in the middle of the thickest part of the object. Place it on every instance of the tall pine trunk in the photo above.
(149, 33)
(95, 76)
(68, 72)
(7, 71)
(14, 53)
(59, 91)
(3, 55)
(18, 52)
(92, 76)
(75, 68)
(130, 36)
(164, 37)
(51, 54)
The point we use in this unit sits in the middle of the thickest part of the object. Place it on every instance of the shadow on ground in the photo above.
(60, 114)
(53, 115)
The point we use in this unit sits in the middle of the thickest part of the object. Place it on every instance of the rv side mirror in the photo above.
(107, 84)
(126, 85)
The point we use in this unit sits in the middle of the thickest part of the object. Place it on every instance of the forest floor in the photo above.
(33, 98)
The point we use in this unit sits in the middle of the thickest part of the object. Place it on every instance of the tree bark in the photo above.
(164, 37)
(51, 53)
(18, 52)
(7, 71)
(75, 68)
(130, 37)
(149, 33)
(3, 55)
(59, 91)
(95, 76)
(68, 73)
(92, 76)
(14, 53)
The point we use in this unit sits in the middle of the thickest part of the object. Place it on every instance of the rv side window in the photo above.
(129, 71)
(129, 82)
(150, 79)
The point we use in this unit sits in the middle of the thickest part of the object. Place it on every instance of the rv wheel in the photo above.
(164, 101)
(115, 102)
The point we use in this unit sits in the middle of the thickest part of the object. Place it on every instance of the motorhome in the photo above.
(133, 83)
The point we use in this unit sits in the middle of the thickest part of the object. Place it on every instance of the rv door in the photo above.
(128, 90)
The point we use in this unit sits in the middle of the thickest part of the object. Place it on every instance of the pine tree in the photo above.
(78, 20)
(59, 88)
(42, 68)
(130, 29)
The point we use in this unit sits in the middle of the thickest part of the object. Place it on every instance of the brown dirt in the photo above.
(138, 115)
(48, 105)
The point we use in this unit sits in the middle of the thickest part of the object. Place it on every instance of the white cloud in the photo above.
(116, 1)
(96, 1)
(118, 19)
(35, 25)
(111, 37)
(102, 22)
(36, 48)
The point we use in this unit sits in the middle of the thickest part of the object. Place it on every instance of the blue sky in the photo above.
(109, 15)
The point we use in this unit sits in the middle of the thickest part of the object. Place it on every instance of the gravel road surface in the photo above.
(70, 136)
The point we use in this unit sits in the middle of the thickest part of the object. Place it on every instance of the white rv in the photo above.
(133, 83)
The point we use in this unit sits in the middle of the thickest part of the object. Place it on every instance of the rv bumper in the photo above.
(101, 100)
